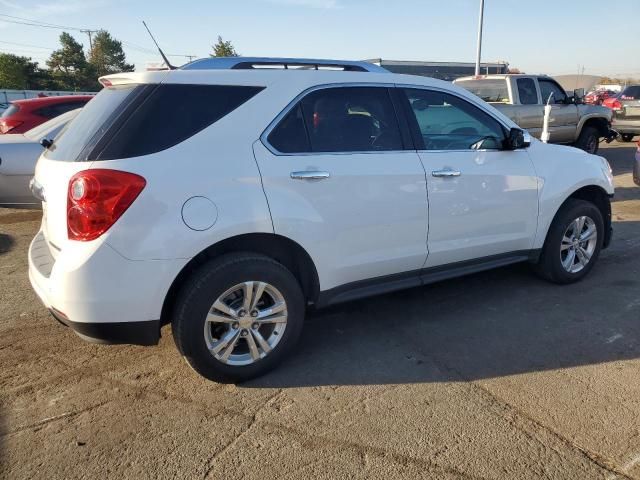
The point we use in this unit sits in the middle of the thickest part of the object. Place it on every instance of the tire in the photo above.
(555, 252)
(589, 140)
(626, 137)
(197, 338)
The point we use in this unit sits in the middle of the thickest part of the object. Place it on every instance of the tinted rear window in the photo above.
(10, 111)
(171, 114)
(488, 90)
(90, 123)
(131, 121)
(632, 92)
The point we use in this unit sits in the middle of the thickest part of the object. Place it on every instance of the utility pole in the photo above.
(478, 54)
(89, 32)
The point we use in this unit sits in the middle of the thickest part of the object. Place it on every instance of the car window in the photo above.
(527, 91)
(342, 119)
(290, 136)
(549, 86)
(447, 122)
(631, 93)
(489, 90)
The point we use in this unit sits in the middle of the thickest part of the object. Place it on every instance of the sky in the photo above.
(537, 36)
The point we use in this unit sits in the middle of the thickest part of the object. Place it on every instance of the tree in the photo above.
(69, 67)
(107, 56)
(223, 49)
(22, 73)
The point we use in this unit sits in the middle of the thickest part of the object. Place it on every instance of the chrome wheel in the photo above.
(578, 244)
(245, 323)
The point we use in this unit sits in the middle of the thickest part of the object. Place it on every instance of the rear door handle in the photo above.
(445, 173)
(310, 175)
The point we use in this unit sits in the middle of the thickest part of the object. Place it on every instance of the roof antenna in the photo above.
(164, 57)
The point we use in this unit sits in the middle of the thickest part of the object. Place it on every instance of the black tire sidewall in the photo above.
(626, 137)
(206, 285)
(587, 134)
(551, 262)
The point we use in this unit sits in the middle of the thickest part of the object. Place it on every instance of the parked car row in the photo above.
(626, 112)
(271, 191)
(18, 156)
(23, 115)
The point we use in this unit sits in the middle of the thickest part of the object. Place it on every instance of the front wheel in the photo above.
(573, 243)
(238, 316)
(589, 140)
(627, 137)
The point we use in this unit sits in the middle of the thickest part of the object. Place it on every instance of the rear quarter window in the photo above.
(489, 90)
(170, 114)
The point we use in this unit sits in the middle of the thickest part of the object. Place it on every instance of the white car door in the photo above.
(483, 200)
(340, 183)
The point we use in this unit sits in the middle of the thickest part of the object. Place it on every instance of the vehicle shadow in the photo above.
(6, 243)
(492, 324)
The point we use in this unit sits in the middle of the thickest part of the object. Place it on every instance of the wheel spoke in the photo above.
(272, 319)
(582, 260)
(585, 254)
(566, 243)
(253, 348)
(264, 345)
(216, 318)
(578, 225)
(230, 337)
(589, 233)
(224, 308)
(257, 294)
(569, 260)
(272, 310)
(231, 346)
(247, 288)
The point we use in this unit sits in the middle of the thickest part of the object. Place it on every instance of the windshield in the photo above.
(52, 127)
(631, 93)
(90, 124)
(489, 90)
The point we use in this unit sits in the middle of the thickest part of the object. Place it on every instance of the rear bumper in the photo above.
(134, 333)
(98, 293)
(623, 125)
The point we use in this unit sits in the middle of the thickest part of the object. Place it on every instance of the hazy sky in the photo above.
(536, 36)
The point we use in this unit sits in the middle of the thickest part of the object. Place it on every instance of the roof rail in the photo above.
(251, 63)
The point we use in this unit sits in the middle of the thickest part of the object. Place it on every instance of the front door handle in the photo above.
(309, 175)
(445, 173)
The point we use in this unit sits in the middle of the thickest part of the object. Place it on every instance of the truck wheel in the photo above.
(573, 243)
(589, 140)
(238, 316)
(627, 137)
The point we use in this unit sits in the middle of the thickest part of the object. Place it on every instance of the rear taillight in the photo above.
(615, 105)
(97, 198)
(7, 125)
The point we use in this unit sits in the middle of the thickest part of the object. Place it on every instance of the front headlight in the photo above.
(607, 170)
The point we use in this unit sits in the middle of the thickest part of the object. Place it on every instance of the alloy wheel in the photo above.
(578, 244)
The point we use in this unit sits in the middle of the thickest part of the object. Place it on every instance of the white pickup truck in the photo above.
(523, 97)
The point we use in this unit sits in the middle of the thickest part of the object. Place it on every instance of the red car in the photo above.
(23, 115)
(597, 97)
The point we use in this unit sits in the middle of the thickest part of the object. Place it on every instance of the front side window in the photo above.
(447, 122)
(547, 87)
(527, 91)
(343, 119)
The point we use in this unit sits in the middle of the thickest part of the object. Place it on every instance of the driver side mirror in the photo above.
(517, 139)
(578, 96)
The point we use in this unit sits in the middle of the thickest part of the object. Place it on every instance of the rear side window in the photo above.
(171, 114)
(53, 111)
(344, 119)
(527, 91)
(631, 93)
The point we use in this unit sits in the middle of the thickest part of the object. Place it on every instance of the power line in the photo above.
(40, 23)
(26, 45)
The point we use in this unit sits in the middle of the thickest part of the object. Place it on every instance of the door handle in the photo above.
(309, 175)
(445, 173)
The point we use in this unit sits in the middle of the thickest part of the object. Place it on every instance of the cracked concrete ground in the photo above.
(493, 376)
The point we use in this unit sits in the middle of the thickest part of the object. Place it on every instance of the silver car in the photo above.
(18, 156)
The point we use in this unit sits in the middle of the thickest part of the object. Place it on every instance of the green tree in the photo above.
(22, 73)
(223, 49)
(107, 56)
(69, 67)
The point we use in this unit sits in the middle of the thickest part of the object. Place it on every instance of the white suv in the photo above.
(226, 201)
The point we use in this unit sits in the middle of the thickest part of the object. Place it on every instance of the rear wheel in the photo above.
(627, 137)
(573, 243)
(589, 140)
(238, 317)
